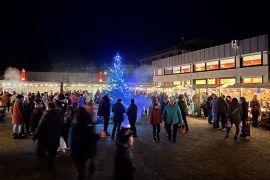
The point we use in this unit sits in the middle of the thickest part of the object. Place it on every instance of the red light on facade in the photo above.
(23, 75)
(100, 76)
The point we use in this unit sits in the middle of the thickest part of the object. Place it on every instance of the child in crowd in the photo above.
(155, 121)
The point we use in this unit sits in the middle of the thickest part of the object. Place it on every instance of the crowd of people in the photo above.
(48, 117)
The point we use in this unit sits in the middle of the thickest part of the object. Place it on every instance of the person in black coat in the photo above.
(48, 134)
(104, 110)
(182, 105)
(27, 114)
(118, 117)
(244, 116)
(132, 116)
(124, 167)
(84, 139)
(37, 108)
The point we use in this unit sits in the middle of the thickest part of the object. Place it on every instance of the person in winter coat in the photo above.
(162, 107)
(214, 110)
(234, 116)
(104, 109)
(74, 99)
(97, 97)
(17, 117)
(48, 134)
(4, 100)
(221, 108)
(255, 110)
(81, 100)
(155, 121)
(209, 109)
(37, 108)
(183, 107)
(244, 117)
(204, 107)
(84, 139)
(172, 116)
(118, 117)
(132, 116)
(124, 167)
(27, 114)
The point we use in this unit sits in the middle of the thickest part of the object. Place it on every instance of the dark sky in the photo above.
(87, 32)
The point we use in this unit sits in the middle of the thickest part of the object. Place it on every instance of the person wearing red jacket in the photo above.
(156, 120)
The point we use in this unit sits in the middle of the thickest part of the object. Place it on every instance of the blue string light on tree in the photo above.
(117, 86)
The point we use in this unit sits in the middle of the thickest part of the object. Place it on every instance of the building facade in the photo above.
(243, 61)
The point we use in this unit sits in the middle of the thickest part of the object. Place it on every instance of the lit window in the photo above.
(212, 65)
(211, 81)
(199, 67)
(158, 83)
(168, 71)
(158, 72)
(226, 82)
(203, 81)
(176, 82)
(228, 63)
(252, 80)
(252, 60)
(176, 70)
(185, 69)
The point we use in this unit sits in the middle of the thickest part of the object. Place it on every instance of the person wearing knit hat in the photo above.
(124, 167)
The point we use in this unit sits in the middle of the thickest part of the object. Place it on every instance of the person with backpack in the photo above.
(37, 109)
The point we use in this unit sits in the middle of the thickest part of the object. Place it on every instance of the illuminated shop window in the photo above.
(212, 65)
(211, 81)
(226, 82)
(228, 63)
(252, 60)
(185, 69)
(168, 71)
(199, 67)
(252, 80)
(158, 83)
(158, 72)
(168, 83)
(176, 70)
(202, 81)
(176, 82)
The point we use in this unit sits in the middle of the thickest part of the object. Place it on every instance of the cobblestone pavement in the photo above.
(202, 153)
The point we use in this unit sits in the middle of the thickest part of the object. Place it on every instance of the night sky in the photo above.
(90, 33)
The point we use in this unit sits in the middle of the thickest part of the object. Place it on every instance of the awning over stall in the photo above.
(250, 85)
(206, 86)
(167, 86)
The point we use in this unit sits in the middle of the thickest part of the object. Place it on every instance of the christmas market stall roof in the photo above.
(250, 85)
(206, 86)
(166, 86)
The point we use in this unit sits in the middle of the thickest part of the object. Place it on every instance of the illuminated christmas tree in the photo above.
(118, 88)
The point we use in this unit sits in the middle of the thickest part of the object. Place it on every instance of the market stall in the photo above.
(202, 91)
